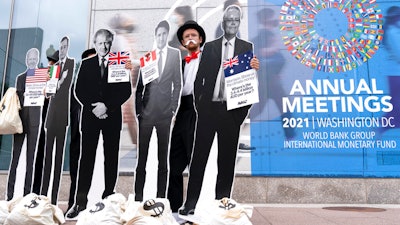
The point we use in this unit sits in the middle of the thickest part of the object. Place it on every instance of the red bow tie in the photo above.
(194, 55)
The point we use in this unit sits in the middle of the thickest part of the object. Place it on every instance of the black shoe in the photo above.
(185, 212)
(74, 211)
(243, 146)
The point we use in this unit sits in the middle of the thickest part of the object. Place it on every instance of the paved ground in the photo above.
(279, 214)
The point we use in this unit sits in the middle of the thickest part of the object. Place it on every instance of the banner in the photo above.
(328, 89)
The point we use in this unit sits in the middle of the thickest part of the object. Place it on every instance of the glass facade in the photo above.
(36, 24)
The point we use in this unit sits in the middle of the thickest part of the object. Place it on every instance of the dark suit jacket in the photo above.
(30, 116)
(91, 88)
(208, 71)
(58, 111)
(160, 98)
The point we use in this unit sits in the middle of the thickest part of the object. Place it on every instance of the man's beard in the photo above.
(192, 47)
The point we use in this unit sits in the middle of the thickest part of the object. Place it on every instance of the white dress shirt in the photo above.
(221, 69)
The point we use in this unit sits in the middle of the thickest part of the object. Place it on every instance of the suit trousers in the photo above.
(181, 150)
(55, 133)
(163, 130)
(31, 142)
(213, 119)
(74, 148)
(90, 138)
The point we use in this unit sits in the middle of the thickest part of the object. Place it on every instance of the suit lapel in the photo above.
(238, 47)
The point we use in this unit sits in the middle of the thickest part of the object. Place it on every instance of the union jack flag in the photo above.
(238, 64)
(116, 58)
(36, 75)
(231, 62)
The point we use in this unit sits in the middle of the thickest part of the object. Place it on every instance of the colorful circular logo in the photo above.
(331, 36)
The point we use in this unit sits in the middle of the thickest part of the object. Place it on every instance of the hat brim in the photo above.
(199, 29)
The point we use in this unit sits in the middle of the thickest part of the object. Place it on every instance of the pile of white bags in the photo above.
(31, 209)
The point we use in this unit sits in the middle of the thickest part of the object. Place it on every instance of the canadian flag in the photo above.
(148, 57)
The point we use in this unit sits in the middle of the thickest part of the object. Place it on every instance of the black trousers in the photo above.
(212, 120)
(163, 129)
(37, 181)
(90, 138)
(74, 148)
(181, 150)
(31, 142)
(53, 134)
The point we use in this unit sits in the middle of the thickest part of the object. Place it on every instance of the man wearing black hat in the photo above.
(192, 37)
(213, 118)
(156, 105)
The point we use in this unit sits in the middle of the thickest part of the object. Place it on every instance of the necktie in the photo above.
(222, 80)
(194, 55)
(102, 66)
(160, 64)
(61, 66)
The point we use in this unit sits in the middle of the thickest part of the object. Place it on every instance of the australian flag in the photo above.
(117, 58)
(237, 64)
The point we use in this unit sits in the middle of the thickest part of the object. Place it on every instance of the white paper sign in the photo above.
(149, 67)
(51, 85)
(241, 83)
(116, 67)
(34, 87)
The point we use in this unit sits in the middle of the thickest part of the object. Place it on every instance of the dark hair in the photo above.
(88, 52)
(107, 33)
(185, 11)
(164, 24)
(230, 2)
(65, 38)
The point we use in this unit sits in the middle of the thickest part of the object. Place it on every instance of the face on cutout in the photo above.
(161, 37)
(32, 59)
(63, 49)
(231, 21)
(102, 44)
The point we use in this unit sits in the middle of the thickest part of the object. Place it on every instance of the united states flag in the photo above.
(36, 75)
(241, 63)
(116, 58)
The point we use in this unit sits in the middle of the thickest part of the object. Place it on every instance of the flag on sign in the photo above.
(117, 58)
(238, 64)
(55, 71)
(36, 75)
(149, 57)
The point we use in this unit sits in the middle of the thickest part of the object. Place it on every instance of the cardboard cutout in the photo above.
(57, 123)
(101, 113)
(156, 105)
(213, 116)
(31, 121)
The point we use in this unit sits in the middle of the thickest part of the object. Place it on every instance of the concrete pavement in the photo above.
(311, 214)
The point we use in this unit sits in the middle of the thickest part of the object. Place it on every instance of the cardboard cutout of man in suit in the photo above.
(101, 112)
(156, 104)
(213, 116)
(57, 122)
(31, 122)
